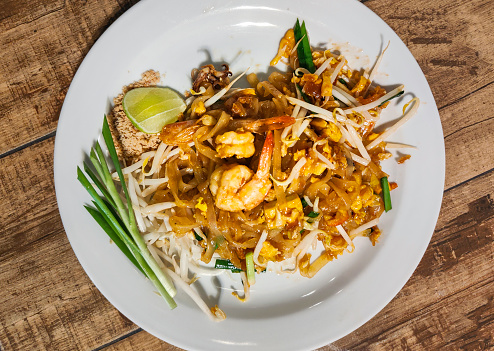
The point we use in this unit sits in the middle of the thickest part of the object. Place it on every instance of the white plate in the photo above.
(284, 313)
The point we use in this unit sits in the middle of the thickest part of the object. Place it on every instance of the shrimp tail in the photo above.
(263, 125)
(265, 158)
(272, 123)
(179, 132)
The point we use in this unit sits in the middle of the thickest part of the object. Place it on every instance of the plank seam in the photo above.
(470, 125)
(419, 313)
(36, 19)
(468, 180)
(28, 144)
(125, 336)
(464, 96)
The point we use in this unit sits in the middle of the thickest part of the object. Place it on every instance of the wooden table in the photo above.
(48, 302)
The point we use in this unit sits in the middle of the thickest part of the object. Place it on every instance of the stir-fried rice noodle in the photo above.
(265, 170)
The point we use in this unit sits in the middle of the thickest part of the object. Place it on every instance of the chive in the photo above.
(303, 50)
(313, 214)
(117, 219)
(392, 97)
(304, 203)
(249, 263)
(226, 264)
(98, 217)
(386, 194)
(342, 81)
(132, 226)
(123, 235)
(304, 95)
(218, 241)
(336, 99)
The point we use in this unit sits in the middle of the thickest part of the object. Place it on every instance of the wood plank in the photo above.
(49, 303)
(27, 189)
(468, 126)
(450, 39)
(468, 152)
(141, 340)
(463, 321)
(43, 44)
(47, 300)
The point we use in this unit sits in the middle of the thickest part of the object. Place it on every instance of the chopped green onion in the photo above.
(198, 238)
(249, 263)
(303, 50)
(304, 95)
(342, 81)
(218, 241)
(392, 97)
(304, 203)
(98, 217)
(226, 264)
(386, 194)
(313, 214)
(117, 219)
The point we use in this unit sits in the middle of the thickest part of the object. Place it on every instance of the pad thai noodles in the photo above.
(257, 176)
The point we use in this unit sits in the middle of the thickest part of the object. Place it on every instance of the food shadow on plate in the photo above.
(400, 101)
(329, 285)
(211, 300)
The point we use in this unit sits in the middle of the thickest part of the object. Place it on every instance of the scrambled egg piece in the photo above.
(375, 184)
(327, 85)
(231, 144)
(200, 109)
(334, 243)
(293, 212)
(201, 206)
(268, 251)
(327, 129)
(357, 89)
(298, 155)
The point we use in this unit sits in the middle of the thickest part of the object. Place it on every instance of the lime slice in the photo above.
(149, 109)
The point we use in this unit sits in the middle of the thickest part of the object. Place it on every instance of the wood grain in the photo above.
(48, 303)
(47, 41)
(451, 41)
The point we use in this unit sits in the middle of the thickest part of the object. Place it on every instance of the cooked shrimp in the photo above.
(237, 188)
(179, 132)
(262, 125)
(235, 144)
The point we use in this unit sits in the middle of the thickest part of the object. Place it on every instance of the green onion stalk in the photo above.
(118, 219)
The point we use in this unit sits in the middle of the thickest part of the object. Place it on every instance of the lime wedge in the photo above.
(149, 109)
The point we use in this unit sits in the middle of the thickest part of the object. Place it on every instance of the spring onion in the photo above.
(226, 264)
(391, 98)
(118, 219)
(386, 194)
(342, 81)
(304, 95)
(313, 214)
(249, 263)
(303, 50)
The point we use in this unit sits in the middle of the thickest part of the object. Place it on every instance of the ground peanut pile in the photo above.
(129, 142)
